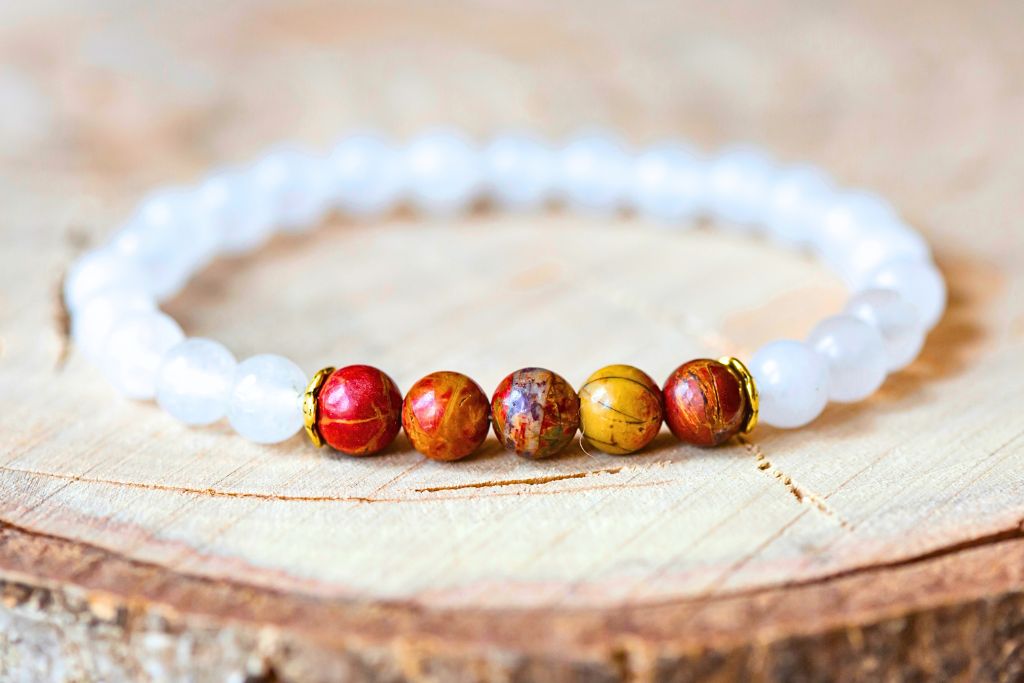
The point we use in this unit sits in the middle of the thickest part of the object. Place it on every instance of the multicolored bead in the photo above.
(359, 410)
(620, 409)
(536, 412)
(446, 416)
(705, 403)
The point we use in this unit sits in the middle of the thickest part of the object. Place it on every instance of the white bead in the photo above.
(593, 173)
(797, 200)
(896, 320)
(135, 349)
(445, 172)
(365, 175)
(667, 183)
(519, 172)
(878, 246)
(241, 213)
(850, 215)
(792, 382)
(739, 181)
(97, 271)
(296, 186)
(265, 405)
(855, 355)
(918, 282)
(195, 380)
(95, 318)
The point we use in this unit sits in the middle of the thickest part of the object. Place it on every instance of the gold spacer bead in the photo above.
(309, 405)
(749, 388)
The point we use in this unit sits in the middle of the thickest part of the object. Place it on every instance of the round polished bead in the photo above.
(896, 320)
(265, 404)
(918, 282)
(705, 403)
(446, 416)
(877, 246)
(98, 315)
(850, 215)
(135, 349)
(797, 200)
(295, 185)
(667, 183)
(242, 214)
(444, 171)
(594, 173)
(536, 412)
(739, 181)
(620, 409)
(792, 382)
(101, 270)
(519, 171)
(195, 381)
(365, 175)
(359, 410)
(855, 355)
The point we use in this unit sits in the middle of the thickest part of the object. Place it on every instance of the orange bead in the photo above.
(446, 416)
(705, 403)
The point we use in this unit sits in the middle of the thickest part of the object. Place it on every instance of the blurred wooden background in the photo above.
(884, 541)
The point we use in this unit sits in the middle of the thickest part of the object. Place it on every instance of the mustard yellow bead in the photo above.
(620, 409)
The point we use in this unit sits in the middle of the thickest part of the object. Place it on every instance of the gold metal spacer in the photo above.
(309, 405)
(749, 388)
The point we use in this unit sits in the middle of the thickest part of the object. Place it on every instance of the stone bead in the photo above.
(365, 175)
(918, 282)
(667, 184)
(101, 270)
(895, 319)
(359, 410)
(195, 381)
(739, 182)
(792, 383)
(445, 172)
(446, 416)
(620, 409)
(296, 184)
(797, 200)
(243, 215)
(265, 405)
(705, 403)
(594, 174)
(855, 355)
(536, 412)
(134, 350)
(519, 172)
(95, 318)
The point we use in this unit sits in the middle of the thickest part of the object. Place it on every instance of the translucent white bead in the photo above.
(265, 405)
(896, 320)
(792, 381)
(195, 380)
(135, 349)
(366, 175)
(241, 213)
(95, 318)
(850, 215)
(855, 355)
(593, 173)
(739, 181)
(878, 246)
(667, 183)
(519, 171)
(918, 282)
(444, 172)
(296, 186)
(97, 271)
(797, 200)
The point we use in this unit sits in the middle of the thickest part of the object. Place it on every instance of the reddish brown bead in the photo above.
(536, 412)
(359, 410)
(446, 416)
(704, 403)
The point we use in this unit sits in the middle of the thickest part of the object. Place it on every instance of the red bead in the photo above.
(359, 410)
(446, 416)
(536, 412)
(704, 403)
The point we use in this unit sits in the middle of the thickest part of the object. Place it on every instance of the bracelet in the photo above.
(112, 295)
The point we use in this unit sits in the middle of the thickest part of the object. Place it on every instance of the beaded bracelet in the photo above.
(112, 295)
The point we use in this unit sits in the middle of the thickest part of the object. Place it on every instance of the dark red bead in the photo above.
(704, 403)
(359, 410)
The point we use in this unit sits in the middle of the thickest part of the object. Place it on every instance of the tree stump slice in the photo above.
(883, 542)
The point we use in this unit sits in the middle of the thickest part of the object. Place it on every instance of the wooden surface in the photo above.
(883, 542)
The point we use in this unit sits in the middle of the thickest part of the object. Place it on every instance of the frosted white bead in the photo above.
(444, 172)
(97, 271)
(792, 382)
(95, 318)
(265, 405)
(849, 216)
(667, 183)
(195, 380)
(519, 171)
(134, 350)
(365, 175)
(593, 173)
(242, 214)
(797, 200)
(739, 181)
(878, 246)
(918, 282)
(896, 320)
(855, 355)
(296, 186)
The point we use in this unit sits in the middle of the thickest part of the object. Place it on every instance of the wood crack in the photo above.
(531, 481)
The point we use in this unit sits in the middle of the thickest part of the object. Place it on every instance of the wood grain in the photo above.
(884, 542)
